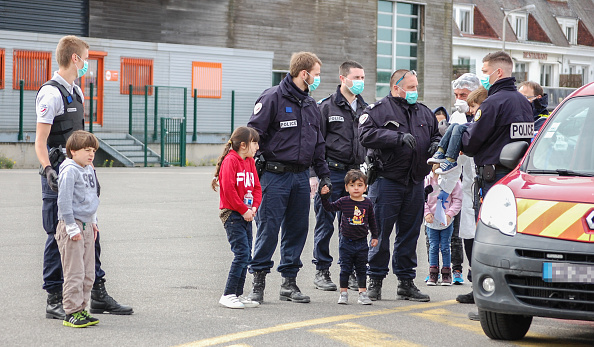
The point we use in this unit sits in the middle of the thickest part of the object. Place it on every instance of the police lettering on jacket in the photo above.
(288, 121)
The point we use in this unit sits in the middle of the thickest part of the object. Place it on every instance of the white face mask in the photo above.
(461, 106)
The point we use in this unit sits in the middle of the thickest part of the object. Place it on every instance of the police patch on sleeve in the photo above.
(478, 115)
(42, 109)
(257, 108)
(363, 118)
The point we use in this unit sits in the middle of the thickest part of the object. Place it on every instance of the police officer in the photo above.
(288, 121)
(340, 120)
(539, 101)
(403, 135)
(505, 116)
(60, 111)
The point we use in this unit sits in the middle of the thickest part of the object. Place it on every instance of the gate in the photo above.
(173, 141)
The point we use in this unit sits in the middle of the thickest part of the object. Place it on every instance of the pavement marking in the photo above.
(352, 334)
(450, 318)
(312, 322)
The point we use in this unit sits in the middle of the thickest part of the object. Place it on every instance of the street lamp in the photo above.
(527, 8)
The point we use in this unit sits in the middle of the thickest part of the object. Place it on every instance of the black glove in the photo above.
(409, 140)
(428, 190)
(325, 181)
(433, 148)
(52, 177)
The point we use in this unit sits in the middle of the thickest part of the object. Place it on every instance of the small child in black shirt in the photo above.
(357, 219)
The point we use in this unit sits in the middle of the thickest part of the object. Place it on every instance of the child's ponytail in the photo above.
(239, 136)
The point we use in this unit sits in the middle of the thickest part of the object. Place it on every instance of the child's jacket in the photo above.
(77, 193)
(452, 206)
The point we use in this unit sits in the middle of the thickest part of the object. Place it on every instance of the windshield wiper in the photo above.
(561, 172)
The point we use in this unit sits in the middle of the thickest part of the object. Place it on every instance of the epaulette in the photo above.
(371, 106)
(324, 99)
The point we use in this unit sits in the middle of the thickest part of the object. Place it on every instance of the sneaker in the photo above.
(465, 298)
(343, 299)
(247, 302)
(457, 275)
(433, 276)
(231, 301)
(76, 320)
(446, 167)
(90, 318)
(438, 158)
(364, 299)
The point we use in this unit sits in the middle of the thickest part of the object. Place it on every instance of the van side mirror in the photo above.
(512, 153)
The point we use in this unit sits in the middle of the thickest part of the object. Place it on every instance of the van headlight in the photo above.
(499, 209)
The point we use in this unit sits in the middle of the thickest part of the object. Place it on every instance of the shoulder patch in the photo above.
(371, 106)
(478, 115)
(42, 109)
(363, 118)
(257, 108)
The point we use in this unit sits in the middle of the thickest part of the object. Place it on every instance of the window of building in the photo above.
(520, 72)
(397, 36)
(464, 18)
(207, 79)
(278, 76)
(2, 68)
(519, 23)
(34, 68)
(546, 75)
(136, 72)
(569, 27)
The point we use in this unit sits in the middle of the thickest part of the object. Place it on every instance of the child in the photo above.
(451, 142)
(357, 218)
(77, 226)
(440, 234)
(240, 196)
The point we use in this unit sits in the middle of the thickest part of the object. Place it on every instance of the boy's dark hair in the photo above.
(240, 135)
(477, 96)
(80, 139)
(354, 175)
(345, 68)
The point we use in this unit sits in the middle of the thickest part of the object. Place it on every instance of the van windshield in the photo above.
(566, 144)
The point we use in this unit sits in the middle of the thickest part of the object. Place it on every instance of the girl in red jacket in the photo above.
(241, 195)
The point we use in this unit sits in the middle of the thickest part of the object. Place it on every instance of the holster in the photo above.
(260, 165)
(372, 169)
(477, 192)
(56, 157)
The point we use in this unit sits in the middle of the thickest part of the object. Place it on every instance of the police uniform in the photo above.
(339, 127)
(397, 193)
(288, 122)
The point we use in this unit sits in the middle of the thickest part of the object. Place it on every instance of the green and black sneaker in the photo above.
(76, 320)
(90, 318)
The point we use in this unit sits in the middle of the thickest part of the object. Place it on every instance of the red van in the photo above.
(533, 252)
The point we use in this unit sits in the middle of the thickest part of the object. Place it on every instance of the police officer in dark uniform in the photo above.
(60, 111)
(339, 126)
(288, 122)
(505, 116)
(403, 135)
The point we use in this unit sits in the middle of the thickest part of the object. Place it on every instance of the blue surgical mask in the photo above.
(358, 86)
(485, 80)
(315, 83)
(83, 71)
(411, 96)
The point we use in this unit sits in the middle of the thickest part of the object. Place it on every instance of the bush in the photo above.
(6, 163)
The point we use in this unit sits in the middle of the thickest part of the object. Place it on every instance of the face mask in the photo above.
(411, 96)
(83, 71)
(461, 106)
(315, 83)
(358, 86)
(485, 80)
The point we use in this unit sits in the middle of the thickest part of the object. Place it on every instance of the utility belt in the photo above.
(277, 167)
(489, 172)
(338, 166)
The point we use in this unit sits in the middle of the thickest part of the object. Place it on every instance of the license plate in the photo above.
(567, 273)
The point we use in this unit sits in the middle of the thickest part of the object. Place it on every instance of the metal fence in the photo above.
(173, 141)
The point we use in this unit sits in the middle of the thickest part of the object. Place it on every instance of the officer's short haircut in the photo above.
(354, 175)
(536, 88)
(67, 46)
(498, 58)
(303, 61)
(345, 68)
(80, 139)
(476, 97)
(397, 75)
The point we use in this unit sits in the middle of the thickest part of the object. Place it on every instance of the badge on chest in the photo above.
(335, 119)
(288, 124)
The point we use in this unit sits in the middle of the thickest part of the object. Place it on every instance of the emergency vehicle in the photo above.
(533, 252)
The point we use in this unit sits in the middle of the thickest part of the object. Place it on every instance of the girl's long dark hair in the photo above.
(239, 136)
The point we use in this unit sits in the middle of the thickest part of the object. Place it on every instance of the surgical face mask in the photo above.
(411, 96)
(315, 83)
(358, 86)
(461, 106)
(485, 80)
(83, 71)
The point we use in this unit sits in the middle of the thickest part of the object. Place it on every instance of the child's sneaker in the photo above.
(457, 276)
(344, 298)
(446, 167)
(247, 302)
(446, 276)
(438, 158)
(231, 301)
(90, 318)
(76, 320)
(363, 299)
(433, 276)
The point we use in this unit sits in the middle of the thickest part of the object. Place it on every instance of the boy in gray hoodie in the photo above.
(77, 226)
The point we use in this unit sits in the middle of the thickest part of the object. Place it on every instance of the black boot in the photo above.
(374, 290)
(54, 307)
(102, 302)
(408, 291)
(290, 292)
(258, 285)
(322, 280)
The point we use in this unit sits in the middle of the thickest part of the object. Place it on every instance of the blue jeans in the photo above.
(325, 222)
(353, 255)
(285, 206)
(399, 205)
(451, 141)
(440, 240)
(239, 235)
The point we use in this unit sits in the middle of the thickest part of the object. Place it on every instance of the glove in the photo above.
(433, 148)
(443, 196)
(325, 181)
(461, 106)
(409, 140)
(428, 190)
(52, 177)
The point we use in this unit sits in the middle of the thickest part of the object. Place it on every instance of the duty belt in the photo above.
(335, 165)
(277, 167)
(488, 172)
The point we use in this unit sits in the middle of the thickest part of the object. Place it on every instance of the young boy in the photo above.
(451, 142)
(356, 220)
(77, 226)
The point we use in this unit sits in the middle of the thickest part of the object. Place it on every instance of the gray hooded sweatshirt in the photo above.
(77, 193)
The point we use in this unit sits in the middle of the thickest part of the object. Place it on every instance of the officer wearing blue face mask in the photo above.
(340, 119)
(401, 135)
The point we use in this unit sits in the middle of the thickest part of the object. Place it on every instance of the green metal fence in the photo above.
(173, 141)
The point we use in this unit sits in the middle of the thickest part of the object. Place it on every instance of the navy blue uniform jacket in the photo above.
(288, 121)
(381, 128)
(484, 139)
